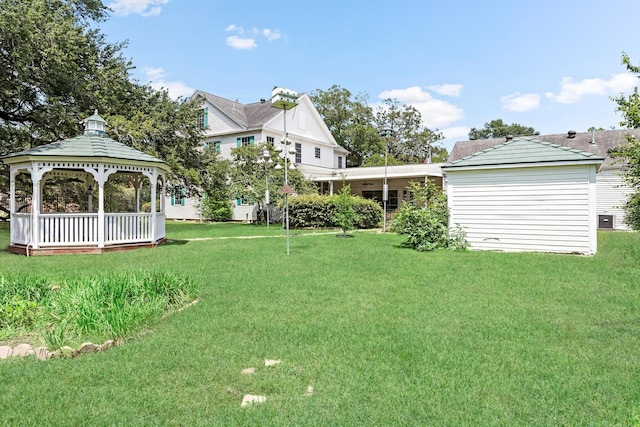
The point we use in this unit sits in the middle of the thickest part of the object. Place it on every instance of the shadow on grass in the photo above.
(171, 242)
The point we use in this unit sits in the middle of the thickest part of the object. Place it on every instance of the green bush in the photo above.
(217, 210)
(319, 211)
(424, 219)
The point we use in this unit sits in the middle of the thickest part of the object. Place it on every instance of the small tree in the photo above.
(346, 216)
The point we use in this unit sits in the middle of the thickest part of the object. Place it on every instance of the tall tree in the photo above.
(350, 120)
(629, 108)
(497, 129)
(56, 67)
(410, 141)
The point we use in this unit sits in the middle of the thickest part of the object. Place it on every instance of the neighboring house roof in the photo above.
(524, 151)
(598, 142)
(84, 146)
(247, 116)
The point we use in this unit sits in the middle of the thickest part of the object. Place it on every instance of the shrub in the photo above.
(424, 219)
(319, 211)
(216, 210)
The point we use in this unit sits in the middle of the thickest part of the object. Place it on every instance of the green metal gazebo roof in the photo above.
(521, 151)
(91, 146)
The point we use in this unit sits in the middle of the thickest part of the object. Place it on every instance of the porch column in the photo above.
(331, 188)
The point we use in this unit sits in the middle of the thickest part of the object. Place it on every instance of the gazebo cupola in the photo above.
(85, 164)
(94, 125)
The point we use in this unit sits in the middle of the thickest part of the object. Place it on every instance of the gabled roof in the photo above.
(524, 150)
(598, 142)
(247, 116)
(84, 146)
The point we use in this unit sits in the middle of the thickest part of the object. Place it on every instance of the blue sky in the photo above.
(552, 65)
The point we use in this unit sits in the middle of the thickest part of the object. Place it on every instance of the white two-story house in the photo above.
(228, 124)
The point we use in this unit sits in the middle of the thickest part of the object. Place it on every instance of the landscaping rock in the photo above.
(42, 353)
(249, 371)
(87, 347)
(67, 351)
(106, 345)
(55, 354)
(250, 399)
(271, 362)
(21, 350)
(5, 351)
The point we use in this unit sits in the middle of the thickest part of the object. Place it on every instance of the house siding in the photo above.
(612, 195)
(547, 209)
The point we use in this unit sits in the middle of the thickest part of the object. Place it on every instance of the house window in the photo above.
(270, 140)
(339, 162)
(202, 121)
(178, 195)
(298, 152)
(243, 141)
(323, 188)
(215, 144)
(317, 153)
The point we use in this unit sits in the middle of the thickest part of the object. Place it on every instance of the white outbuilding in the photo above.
(525, 195)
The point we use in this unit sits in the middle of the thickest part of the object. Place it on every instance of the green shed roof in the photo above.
(524, 150)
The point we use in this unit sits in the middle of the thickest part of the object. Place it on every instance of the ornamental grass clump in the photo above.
(94, 307)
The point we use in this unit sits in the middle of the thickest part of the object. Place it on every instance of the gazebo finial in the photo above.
(94, 125)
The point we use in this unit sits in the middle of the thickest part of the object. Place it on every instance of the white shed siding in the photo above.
(545, 209)
(612, 196)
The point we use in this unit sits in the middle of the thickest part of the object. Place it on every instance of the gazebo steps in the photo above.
(77, 250)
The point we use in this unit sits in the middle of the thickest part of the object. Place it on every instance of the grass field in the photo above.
(384, 335)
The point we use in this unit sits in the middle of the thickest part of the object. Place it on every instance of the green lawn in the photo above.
(384, 335)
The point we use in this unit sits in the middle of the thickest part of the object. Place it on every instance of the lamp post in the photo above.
(285, 99)
(385, 133)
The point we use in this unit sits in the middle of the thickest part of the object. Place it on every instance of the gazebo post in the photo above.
(100, 179)
(35, 208)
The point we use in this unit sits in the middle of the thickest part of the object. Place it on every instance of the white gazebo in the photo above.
(39, 227)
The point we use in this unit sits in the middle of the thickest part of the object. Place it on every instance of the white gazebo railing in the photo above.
(81, 229)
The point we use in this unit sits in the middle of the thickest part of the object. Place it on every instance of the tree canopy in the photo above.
(497, 129)
(356, 127)
(629, 108)
(56, 68)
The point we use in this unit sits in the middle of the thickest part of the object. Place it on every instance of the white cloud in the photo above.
(156, 78)
(435, 112)
(142, 7)
(447, 89)
(248, 43)
(520, 102)
(241, 43)
(572, 92)
(455, 132)
(271, 35)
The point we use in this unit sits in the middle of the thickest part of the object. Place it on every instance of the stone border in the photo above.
(43, 353)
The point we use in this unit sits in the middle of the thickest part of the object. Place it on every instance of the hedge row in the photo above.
(319, 211)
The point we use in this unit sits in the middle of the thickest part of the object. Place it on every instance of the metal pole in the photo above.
(286, 182)
(385, 188)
